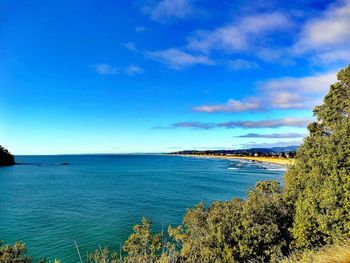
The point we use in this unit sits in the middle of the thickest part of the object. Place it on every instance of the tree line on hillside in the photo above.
(274, 223)
(263, 152)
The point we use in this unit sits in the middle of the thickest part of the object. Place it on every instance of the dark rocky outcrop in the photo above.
(6, 158)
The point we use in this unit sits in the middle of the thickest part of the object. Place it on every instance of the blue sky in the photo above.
(155, 76)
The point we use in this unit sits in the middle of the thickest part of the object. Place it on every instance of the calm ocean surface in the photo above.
(96, 199)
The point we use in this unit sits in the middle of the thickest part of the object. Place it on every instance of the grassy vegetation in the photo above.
(337, 253)
(307, 220)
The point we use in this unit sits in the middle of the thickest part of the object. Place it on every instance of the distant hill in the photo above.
(274, 149)
(285, 149)
(6, 158)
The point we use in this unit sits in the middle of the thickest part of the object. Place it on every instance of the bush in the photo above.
(14, 254)
(255, 229)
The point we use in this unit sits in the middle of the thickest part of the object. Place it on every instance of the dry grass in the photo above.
(331, 254)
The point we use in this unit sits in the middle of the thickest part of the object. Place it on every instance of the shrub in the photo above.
(14, 254)
(255, 229)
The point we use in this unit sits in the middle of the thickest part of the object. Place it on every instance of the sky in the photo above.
(165, 75)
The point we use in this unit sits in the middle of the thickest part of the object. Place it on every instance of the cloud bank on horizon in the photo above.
(271, 123)
(180, 71)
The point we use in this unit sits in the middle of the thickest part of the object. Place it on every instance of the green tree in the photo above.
(317, 187)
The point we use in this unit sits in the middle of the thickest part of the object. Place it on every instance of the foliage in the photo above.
(142, 246)
(103, 256)
(6, 158)
(14, 254)
(237, 231)
(317, 187)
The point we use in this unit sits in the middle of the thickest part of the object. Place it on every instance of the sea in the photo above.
(50, 202)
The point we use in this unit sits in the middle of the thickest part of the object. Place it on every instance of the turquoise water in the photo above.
(96, 199)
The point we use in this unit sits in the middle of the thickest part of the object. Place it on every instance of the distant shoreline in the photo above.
(262, 159)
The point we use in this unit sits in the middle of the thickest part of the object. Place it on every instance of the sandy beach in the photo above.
(273, 160)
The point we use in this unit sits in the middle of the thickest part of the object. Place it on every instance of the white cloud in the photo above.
(277, 55)
(105, 69)
(286, 100)
(310, 84)
(274, 123)
(165, 10)
(239, 36)
(282, 93)
(175, 58)
(297, 93)
(334, 55)
(249, 104)
(130, 46)
(188, 124)
(241, 64)
(328, 31)
(133, 70)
